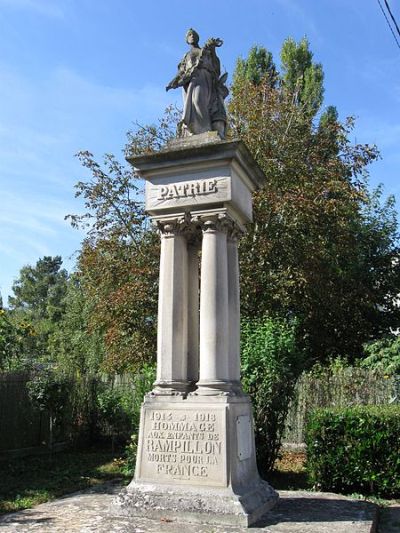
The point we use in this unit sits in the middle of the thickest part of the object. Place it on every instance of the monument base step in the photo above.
(196, 505)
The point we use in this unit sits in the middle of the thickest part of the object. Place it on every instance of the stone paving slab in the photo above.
(389, 519)
(296, 512)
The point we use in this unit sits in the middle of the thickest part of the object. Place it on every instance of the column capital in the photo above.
(235, 232)
(210, 223)
(171, 227)
(219, 222)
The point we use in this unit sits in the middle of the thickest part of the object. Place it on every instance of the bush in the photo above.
(114, 412)
(271, 364)
(119, 406)
(383, 355)
(48, 391)
(355, 449)
(142, 384)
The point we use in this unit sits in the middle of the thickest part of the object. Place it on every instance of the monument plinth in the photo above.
(196, 456)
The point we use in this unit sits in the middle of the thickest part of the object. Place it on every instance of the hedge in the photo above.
(355, 449)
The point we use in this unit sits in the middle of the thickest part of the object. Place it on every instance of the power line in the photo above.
(392, 16)
(388, 23)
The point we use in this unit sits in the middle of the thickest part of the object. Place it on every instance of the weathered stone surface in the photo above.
(192, 176)
(183, 444)
(195, 505)
(296, 512)
(204, 89)
(196, 453)
(195, 140)
(172, 328)
(200, 188)
(196, 458)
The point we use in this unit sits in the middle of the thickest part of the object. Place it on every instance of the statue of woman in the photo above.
(204, 89)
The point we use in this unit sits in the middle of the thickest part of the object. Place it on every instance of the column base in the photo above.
(211, 388)
(196, 462)
(198, 506)
(171, 388)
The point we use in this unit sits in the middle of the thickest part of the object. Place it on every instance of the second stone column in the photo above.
(214, 317)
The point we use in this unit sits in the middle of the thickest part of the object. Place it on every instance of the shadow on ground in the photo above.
(288, 480)
(313, 508)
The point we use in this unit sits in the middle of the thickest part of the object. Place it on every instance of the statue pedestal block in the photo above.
(196, 463)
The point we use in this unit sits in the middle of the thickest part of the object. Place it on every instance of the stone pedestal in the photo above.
(196, 462)
(196, 458)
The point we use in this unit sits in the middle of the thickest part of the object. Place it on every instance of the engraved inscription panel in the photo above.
(187, 193)
(244, 437)
(184, 446)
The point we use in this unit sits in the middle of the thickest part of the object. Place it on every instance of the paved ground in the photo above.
(389, 519)
(297, 512)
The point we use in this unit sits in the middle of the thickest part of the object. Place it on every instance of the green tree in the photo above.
(301, 78)
(38, 301)
(118, 263)
(40, 288)
(48, 390)
(271, 363)
(14, 337)
(259, 66)
(75, 347)
(383, 355)
(315, 250)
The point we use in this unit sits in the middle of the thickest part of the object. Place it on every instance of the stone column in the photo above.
(193, 311)
(172, 332)
(214, 316)
(234, 308)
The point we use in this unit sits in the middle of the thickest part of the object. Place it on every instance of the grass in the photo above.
(289, 472)
(29, 481)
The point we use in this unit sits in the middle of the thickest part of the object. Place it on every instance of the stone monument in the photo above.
(204, 90)
(196, 457)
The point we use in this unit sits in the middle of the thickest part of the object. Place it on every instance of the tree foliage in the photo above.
(383, 355)
(118, 263)
(322, 247)
(15, 338)
(74, 346)
(271, 363)
(40, 289)
(37, 307)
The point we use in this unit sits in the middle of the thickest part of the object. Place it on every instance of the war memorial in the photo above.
(196, 457)
(196, 464)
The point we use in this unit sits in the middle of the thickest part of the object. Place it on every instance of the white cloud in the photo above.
(47, 120)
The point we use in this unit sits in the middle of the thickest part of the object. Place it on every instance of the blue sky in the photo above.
(76, 74)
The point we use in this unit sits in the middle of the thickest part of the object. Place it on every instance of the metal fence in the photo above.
(345, 387)
(24, 429)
